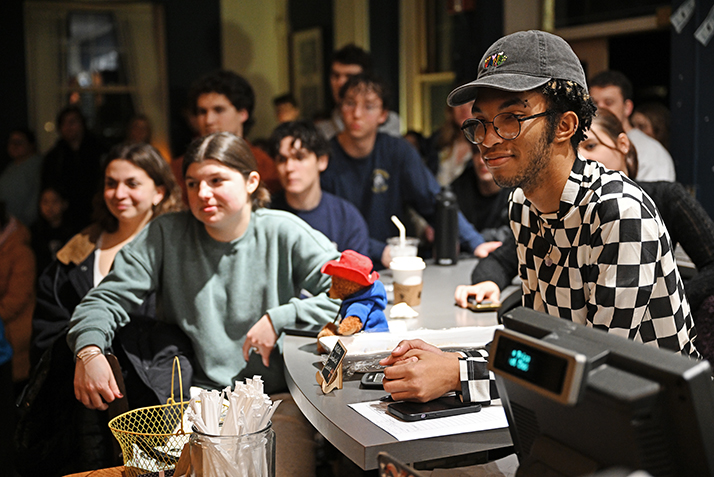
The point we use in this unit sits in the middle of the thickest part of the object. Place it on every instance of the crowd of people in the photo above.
(560, 181)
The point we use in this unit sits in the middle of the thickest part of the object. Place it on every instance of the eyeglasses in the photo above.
(368, 107)
(506, 125)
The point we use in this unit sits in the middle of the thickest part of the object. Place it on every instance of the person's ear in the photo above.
(623, 143)
(252, 182)
(629, 107)
(243, 115)
(566, 127)
(322, 162)
(159, 196)
(383, 116)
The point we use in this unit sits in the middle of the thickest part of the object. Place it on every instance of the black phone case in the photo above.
(441, 407)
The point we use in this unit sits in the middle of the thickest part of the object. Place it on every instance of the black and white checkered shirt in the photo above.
(603, 260)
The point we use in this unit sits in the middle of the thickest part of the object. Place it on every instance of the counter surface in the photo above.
(352, 434)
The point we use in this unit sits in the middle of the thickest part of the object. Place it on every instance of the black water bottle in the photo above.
(446, 239)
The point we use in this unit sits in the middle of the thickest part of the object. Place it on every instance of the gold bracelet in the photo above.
(87, 354)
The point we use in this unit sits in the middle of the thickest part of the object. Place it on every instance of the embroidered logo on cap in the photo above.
(494, 60)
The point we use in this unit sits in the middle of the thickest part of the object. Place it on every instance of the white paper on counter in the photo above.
(490, 417)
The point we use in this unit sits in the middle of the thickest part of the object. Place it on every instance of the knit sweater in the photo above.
(214, 291)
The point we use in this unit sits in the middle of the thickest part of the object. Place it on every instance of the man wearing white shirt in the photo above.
(612, 90)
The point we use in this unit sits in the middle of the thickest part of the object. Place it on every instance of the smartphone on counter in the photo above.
(473, 305)
(441, 407)
(303, 329)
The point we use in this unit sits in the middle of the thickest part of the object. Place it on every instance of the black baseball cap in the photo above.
(522, 61)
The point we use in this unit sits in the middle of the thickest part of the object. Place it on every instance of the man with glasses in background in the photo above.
(591, 245)
(380, 174)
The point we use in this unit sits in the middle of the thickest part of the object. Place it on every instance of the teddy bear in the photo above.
(363, 295)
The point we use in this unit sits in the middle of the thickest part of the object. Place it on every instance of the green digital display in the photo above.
(534, 365)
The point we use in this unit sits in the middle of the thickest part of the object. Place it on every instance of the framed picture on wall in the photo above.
(307, 69)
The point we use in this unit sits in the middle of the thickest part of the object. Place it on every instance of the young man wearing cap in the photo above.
(381, 174)
(612, 90)
(348, 61)
(300, 155)
(223, 101)
(591, 245)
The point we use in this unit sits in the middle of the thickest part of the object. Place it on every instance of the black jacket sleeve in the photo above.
(689, 225)
(501, 265)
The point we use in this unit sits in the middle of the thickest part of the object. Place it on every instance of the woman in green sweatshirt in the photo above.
(228, 273)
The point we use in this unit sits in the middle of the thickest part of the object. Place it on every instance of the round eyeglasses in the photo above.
(506, 125)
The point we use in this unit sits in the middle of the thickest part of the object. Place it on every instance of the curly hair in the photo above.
(363, 83)
(305, 131)
(231, 151)
(231, 85)
(148, 159)
(562, 96)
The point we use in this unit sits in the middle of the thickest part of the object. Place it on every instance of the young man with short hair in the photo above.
(301, 154)
(346, 62)
(591, 245)
(381, 174)
(483, 202)
(223, 101)
(612, 90)
(286, 108)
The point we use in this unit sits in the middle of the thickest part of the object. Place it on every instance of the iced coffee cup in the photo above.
(408, 248)
(407, 276)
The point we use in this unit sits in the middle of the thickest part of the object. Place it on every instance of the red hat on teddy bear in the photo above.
(352, 266)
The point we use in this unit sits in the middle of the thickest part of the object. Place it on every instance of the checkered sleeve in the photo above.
(477, 382)
(627, 246)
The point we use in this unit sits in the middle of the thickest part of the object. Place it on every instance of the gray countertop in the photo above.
(357, 437)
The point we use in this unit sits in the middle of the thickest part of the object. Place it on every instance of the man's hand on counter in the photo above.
(418, 371)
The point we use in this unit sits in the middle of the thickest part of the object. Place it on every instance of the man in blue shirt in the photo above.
(300, 155)
(382, 175)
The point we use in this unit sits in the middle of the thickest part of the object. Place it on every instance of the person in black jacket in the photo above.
(73, 166)
(483, 202)
(138, 186)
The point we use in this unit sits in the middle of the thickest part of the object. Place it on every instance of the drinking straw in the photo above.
(248, 410)
(402, 230)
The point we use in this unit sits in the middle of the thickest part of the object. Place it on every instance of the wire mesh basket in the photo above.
(152, 438)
